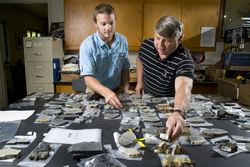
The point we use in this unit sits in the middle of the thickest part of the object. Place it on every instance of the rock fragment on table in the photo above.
(73, 112)
(183, 162)
(195, 120)
(43, 119)
(127, 127)
(215, 132)
(127, 139)
(73, 105)
(151, 119)
(8, 153)
(168, 161)
(228, 147)
(18, 141)
(111, 115)
(59, 122)
(196, 140)
(92, 148)
(245, 126)
(161, 148)
(133, 153)
(161, 133)
(52, 112)
(40, 152)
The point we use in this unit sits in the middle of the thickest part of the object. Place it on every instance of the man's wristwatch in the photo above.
(182, 112)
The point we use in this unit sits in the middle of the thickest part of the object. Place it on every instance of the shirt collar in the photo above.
(102, 43)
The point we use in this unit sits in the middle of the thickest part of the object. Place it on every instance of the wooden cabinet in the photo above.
(153, 12)
(195, 16)
(79, 22)
(136, 20)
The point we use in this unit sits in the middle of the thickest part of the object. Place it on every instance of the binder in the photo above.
(56, 68)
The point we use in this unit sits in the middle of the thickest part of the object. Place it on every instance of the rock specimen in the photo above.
(133, 153)
(168, 161)
(196, 140)
(7, 153)
(52, 112)
(56, 103)
(195, 120)
(246, 126)
(245, 110)
(18, 141)
(93, 105)
(111, 115)
(179, 150)
(127, 139)
(150, 130)
(215, 132)
(73, 112)
(148, 110)
(86, 149)
(139, 103)
(230, 104)
(136, 96)
(183, 162)
(168, 114)
(228, 147)
(151, 119)
(73, 105)
(161, 133)
(186, 132)
(40, 152)
(43, 119)
(59, 122)
(127, 127)
(158, 100)
(146, 96)
(68, 117)
(161, 148)
(247, 146)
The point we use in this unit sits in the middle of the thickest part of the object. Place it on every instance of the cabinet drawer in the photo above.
(46, 88)
(40, 51)
(39, 72)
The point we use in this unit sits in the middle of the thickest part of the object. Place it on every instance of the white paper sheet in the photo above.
(208, 36)
(14, 115)
(71, 136)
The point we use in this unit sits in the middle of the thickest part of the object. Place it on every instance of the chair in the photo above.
(79, 85)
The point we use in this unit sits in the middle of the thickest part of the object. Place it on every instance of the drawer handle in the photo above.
(38, 54)
(38, 76)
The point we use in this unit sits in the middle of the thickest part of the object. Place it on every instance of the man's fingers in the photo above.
(179, 129)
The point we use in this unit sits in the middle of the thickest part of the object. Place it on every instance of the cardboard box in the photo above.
(212, 73)
(70, 75)
(233, 88)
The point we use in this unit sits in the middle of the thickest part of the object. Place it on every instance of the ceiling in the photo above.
(243, 11)
(40, 10)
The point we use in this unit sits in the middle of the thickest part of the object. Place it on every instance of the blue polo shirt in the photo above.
(106, 65)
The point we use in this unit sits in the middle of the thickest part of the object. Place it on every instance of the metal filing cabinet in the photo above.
(39, 53)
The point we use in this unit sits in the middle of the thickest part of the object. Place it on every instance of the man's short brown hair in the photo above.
(103, 8)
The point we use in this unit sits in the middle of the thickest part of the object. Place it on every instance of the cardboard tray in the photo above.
(233, 88)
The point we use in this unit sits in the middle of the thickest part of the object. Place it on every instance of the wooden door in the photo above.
(79, 24)
(153, 12)
(129, 22)
(196, 16)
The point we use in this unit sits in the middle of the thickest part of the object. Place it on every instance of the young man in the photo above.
(166, 68)
(104, 62)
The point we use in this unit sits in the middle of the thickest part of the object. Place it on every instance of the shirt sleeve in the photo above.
(127, 62)
(186, 68)
(87, 65)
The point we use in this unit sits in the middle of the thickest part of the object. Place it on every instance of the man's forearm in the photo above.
(183, 93)
(94, 84)
(139, 71)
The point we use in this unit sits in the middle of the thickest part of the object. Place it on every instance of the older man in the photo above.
(165, 68)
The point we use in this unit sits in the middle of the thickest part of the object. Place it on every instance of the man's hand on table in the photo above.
(177, 121)
(139, 88)
(112, 99)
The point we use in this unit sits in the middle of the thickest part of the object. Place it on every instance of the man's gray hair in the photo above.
(169, 26)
